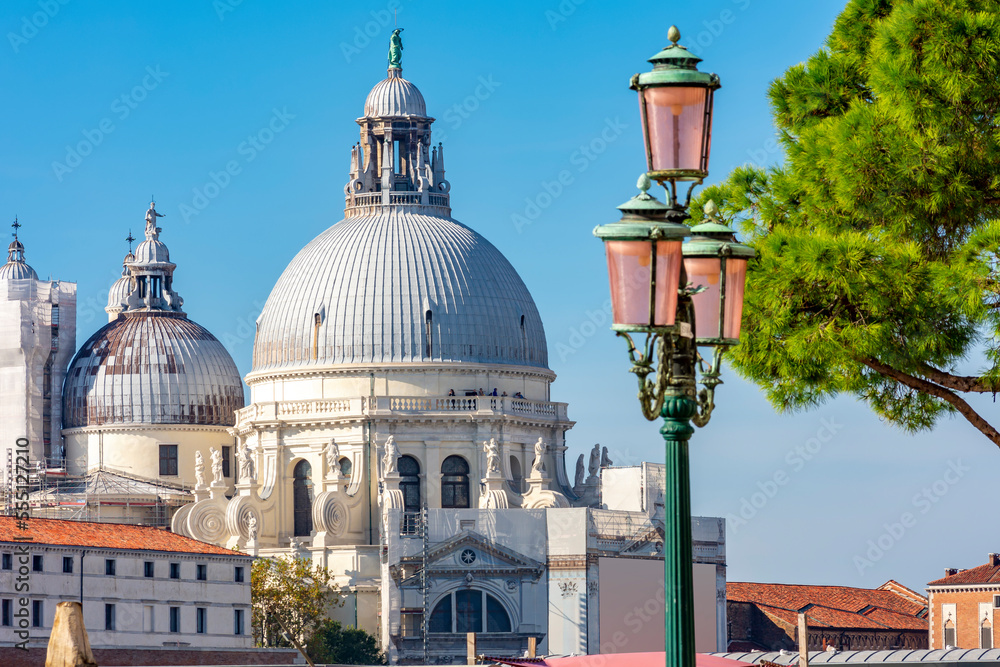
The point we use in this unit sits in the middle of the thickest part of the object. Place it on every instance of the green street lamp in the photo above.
(682, 294)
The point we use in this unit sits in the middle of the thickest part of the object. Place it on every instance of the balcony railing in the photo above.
(387, 405)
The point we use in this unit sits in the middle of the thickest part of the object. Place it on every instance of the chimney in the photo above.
(949, 571)
(994, 560)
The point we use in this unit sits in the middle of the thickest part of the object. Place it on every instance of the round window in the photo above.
(468, 556)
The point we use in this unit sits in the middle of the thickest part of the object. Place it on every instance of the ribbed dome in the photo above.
(151, 251)
(372, 281)
(16, 268)
(152, 368)
(395, 96)
(119, 291)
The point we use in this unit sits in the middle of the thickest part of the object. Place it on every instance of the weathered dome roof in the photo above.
(372, 281)
(395, 96)
(151, 251)
(152, 368)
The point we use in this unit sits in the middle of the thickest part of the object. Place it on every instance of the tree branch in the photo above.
(963, 383)
(947, 395)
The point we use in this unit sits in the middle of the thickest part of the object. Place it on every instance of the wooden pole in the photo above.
(470, 648)
(803, 641)
(68, 643)
(532, 645)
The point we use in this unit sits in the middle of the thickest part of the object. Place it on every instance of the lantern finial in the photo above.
(644, 183)
(674, 35)
(711, 211)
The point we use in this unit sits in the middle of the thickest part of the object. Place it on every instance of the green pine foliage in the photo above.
(333, 644)
(878, 237)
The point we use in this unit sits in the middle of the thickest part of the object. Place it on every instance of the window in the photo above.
(67, 565)
(409, 482)
(302, 498)
(200, 620)
(168, 460)
(109, 617)
(6, 613)
(428, 332)
(412, 623)
(7, 562)
(238, 576)
(201, 572)
(37, 563)
(517, 481)
(175, 570)
(455, 482)
(996, 600)
(147, 618)
(227, 453)
(949, 634)
(462, 611)
(109, 567)
(36, 613)
(237, 621)
(148, 570)
(175, 619)
(986, 635)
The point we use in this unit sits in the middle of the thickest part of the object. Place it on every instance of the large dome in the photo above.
(370, 288)
(152, 368)
(394, 96)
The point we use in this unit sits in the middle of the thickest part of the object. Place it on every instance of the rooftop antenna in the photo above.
(130, 239)
(15, 225)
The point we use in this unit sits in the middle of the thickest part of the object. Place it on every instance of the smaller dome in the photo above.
(395, 96)
(16, 268)
(119, 292)
(151, 252)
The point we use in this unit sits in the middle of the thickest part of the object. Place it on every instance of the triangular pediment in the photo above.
(474, 552)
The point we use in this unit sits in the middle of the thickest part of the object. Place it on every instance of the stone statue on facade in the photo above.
(395, 48)
(606, 461)
(595, 460)
(151, 216)
(538, 466)
(252, 526)
(246, 463)
(580, 472)
(216, 465)
(199, 469)
(492, 456)
(389, 458)
(332, 456)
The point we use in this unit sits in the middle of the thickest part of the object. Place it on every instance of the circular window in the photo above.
(468, 556)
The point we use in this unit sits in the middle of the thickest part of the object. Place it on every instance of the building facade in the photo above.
(962, 604)
(141, 587)
(37, 340)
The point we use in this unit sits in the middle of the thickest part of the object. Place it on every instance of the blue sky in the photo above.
(107, 103)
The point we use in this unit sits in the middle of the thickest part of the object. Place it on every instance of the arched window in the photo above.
(345, 466)
(516, 474)
(429, 333)
(455, 482)
(302, 498)
(462, 611)
(409, 482)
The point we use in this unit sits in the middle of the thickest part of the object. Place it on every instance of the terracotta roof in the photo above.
(889, 606)
(105, 536)
(983, 574)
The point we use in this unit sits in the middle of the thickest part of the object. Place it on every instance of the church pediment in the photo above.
(470, 552)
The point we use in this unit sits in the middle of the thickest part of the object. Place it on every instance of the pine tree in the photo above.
(878, 237)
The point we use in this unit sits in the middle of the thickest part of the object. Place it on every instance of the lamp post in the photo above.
(680, 295)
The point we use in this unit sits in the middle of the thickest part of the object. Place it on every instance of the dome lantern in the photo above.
(16, 268)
